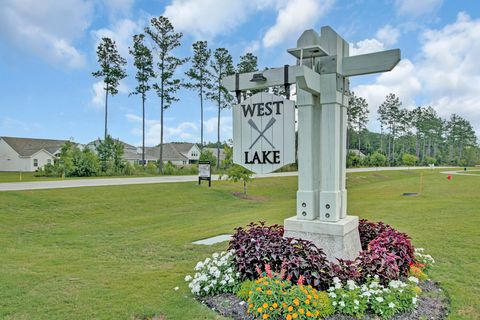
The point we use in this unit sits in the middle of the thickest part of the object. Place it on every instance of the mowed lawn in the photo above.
(119, 252)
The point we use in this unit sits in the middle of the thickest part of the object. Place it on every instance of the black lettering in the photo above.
(268, 107)
(256, 158)
(276, 157)
(248, 109)
(265, 157)
(277, 104)
(246, 158)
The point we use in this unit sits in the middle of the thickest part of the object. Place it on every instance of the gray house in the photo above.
(27, 154)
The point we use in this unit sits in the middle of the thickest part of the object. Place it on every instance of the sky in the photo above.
(47, 56)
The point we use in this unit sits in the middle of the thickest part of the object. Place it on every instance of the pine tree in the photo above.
(248, 63)
(200, 76)
(111, 70)
(221, 66)
(143, 61)
(166, 40)
(357, 113)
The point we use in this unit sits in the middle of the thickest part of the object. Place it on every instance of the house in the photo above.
(214, 152)
(27, 154)
(357, 152)
(178, 153)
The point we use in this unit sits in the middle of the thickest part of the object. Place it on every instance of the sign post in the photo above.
(321, 75)
(204, 172)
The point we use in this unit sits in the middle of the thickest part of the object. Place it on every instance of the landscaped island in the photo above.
(285, 278)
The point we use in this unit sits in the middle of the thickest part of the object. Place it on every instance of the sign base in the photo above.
(337, 239)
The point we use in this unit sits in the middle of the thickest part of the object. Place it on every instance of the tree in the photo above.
(110, 154)
(207, 155)
(377, 159)
(460, 134)
(409, 159)
(248, 63)
(143, 61)
(238, 173)
(357, 113)
(111, 70)
(200, 75)
(222, 66)
(389, 117)
(166, 39)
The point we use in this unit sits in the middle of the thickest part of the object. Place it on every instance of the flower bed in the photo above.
(285, 278)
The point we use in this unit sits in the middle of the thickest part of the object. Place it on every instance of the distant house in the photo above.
(27, 154)
(214, 152)
(357, 152)
(175, 152)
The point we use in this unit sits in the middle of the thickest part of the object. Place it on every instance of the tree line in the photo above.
(156, 65)
(408, 137)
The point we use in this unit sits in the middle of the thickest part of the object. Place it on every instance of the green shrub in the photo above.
(377, 159)
(244, 289)
(266, 299)
(409, 159)
(207, 155)
(168, 168)
(305, 302)
(151, 168)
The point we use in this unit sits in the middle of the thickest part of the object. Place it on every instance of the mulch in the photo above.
(433, 304)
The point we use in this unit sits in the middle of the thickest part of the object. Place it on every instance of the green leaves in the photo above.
(143, 62)
(111, 65)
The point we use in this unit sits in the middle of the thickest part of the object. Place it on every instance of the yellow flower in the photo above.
(271, 309)
(277, 282)
(307, 301)
(301, 311)
(265, 283)
(289, 317)
(259, 309)
(275, 305)
(315, 296)
(290, 308)
(317, 313)
(258, 289)
(309, 296)
(295, 316)
(265, 316)
(284, 304)
(296, 302)
(250, 292)
(265, 305)
(309, 314)
(269, 292)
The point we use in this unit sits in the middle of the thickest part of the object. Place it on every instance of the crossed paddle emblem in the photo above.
(261, 133)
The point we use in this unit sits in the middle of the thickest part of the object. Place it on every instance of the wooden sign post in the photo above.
(321, 75)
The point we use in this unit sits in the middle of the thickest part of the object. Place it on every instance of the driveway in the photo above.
(75, 183)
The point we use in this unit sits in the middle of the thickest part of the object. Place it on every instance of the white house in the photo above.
(26, 154)
(175, 152)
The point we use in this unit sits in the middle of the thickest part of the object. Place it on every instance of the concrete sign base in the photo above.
(337, 239)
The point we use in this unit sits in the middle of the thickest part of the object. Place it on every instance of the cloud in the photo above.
(118, 8)
(98, 98)
(445, 75)
(388, 35)
(48, 28)
(415, 8)
(226, 128)
(366, 46)
(208, 18)
(293, 18)
(121, 32)
(185, 131)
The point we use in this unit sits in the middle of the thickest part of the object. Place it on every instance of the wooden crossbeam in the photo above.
(370, 63)
(275, 77)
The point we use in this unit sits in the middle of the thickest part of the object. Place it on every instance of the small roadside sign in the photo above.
(204, 172)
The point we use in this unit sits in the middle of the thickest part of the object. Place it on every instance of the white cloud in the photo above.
(226, 128)
(415, 8)
(47, 27)
(445, 75)
(185, 131)
(208, 18)
(366, 46)
(293, 18)
(98, 98)
(121, 32)
(388, 35)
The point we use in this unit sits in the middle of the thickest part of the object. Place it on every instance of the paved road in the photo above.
(463, 173)
(38, 185)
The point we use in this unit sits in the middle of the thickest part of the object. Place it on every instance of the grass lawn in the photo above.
(118, 252)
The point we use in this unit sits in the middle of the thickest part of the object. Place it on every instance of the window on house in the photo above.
(35, 162)
(49, 161)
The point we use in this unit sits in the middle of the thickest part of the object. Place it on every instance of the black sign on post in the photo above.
(204, 172)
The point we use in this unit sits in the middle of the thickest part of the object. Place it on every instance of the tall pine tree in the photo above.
(111, 70)
(200, 76)
(143, 61)
(166, 40)
(222, 66)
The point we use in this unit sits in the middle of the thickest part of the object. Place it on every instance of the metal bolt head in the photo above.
(327, 206)
(304, 213)
(327, 215)
(304, 204)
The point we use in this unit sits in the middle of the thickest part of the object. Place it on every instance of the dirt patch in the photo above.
(250, 197)
(432, 304)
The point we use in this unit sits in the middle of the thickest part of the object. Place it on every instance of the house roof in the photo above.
(182, 147)
(94, 143)
(27, 147)
(170, 153)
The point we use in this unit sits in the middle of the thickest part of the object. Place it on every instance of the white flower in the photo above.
(188, 278)
(414, 300)
(215, 255)
(176, 288)
(413, 279)
(334, 303)
(351, 284)
(336, 280)
(199, 266)
(332, 294)
(356, 302)
(379, 299)
(391, 305)
(342, 304)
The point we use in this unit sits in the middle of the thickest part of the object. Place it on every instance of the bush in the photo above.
(244, 289)
(260, 245)
(350, 300)
(207, 155)
(303, 259)
(305, 302)
(409, 159)
(151, 168)
(398, 244)
(369, 231)
(377, 159)
(379, 262)
(256, 246)
(346, 270)
(266, 297)
(214, 275)
(168, 169)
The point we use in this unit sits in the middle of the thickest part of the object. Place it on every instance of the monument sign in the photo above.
(264, 133)
(321, 76)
